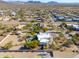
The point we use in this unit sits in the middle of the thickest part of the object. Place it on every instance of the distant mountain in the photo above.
(32, 3)
(69, 4)
(1, 1)
(52, 2)
(15, 2)
(20, 2)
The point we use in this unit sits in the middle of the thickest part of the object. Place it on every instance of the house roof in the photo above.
(44, 37)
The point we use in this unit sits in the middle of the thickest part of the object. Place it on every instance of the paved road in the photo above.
(41, 53)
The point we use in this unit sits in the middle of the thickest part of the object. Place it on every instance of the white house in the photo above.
(76, 26)
(13, 13)
(44, 37)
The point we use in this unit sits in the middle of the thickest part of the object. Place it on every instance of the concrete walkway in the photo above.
(3, 41)
(5, 37)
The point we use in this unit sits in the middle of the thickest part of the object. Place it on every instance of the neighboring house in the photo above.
(44, 38)
(76, 19)
(69, 19)
(76, 27)
(13, 13)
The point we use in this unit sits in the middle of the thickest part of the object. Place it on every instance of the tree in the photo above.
(61, 34)
(32, 44)
(45, 29)
(37, 28)
(75, 39)
(27, 26)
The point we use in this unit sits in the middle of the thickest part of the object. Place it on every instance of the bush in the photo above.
(46, 47)
(45, 29)
(6, 57)
(32, 44)
(75, 39)
(55, 47)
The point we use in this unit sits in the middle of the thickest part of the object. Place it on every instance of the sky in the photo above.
(62, 1)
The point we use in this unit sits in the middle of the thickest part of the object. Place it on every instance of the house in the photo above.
(76, 19)
(69, 19)
(75, 27)
(59, 16)
(44, 38)
(13, 13)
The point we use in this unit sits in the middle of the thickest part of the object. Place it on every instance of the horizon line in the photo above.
(39, 1)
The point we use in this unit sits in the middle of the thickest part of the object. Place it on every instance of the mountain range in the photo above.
(51, 3)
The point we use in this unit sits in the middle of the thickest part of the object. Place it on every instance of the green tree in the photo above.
(75, 39)
(32, 44)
